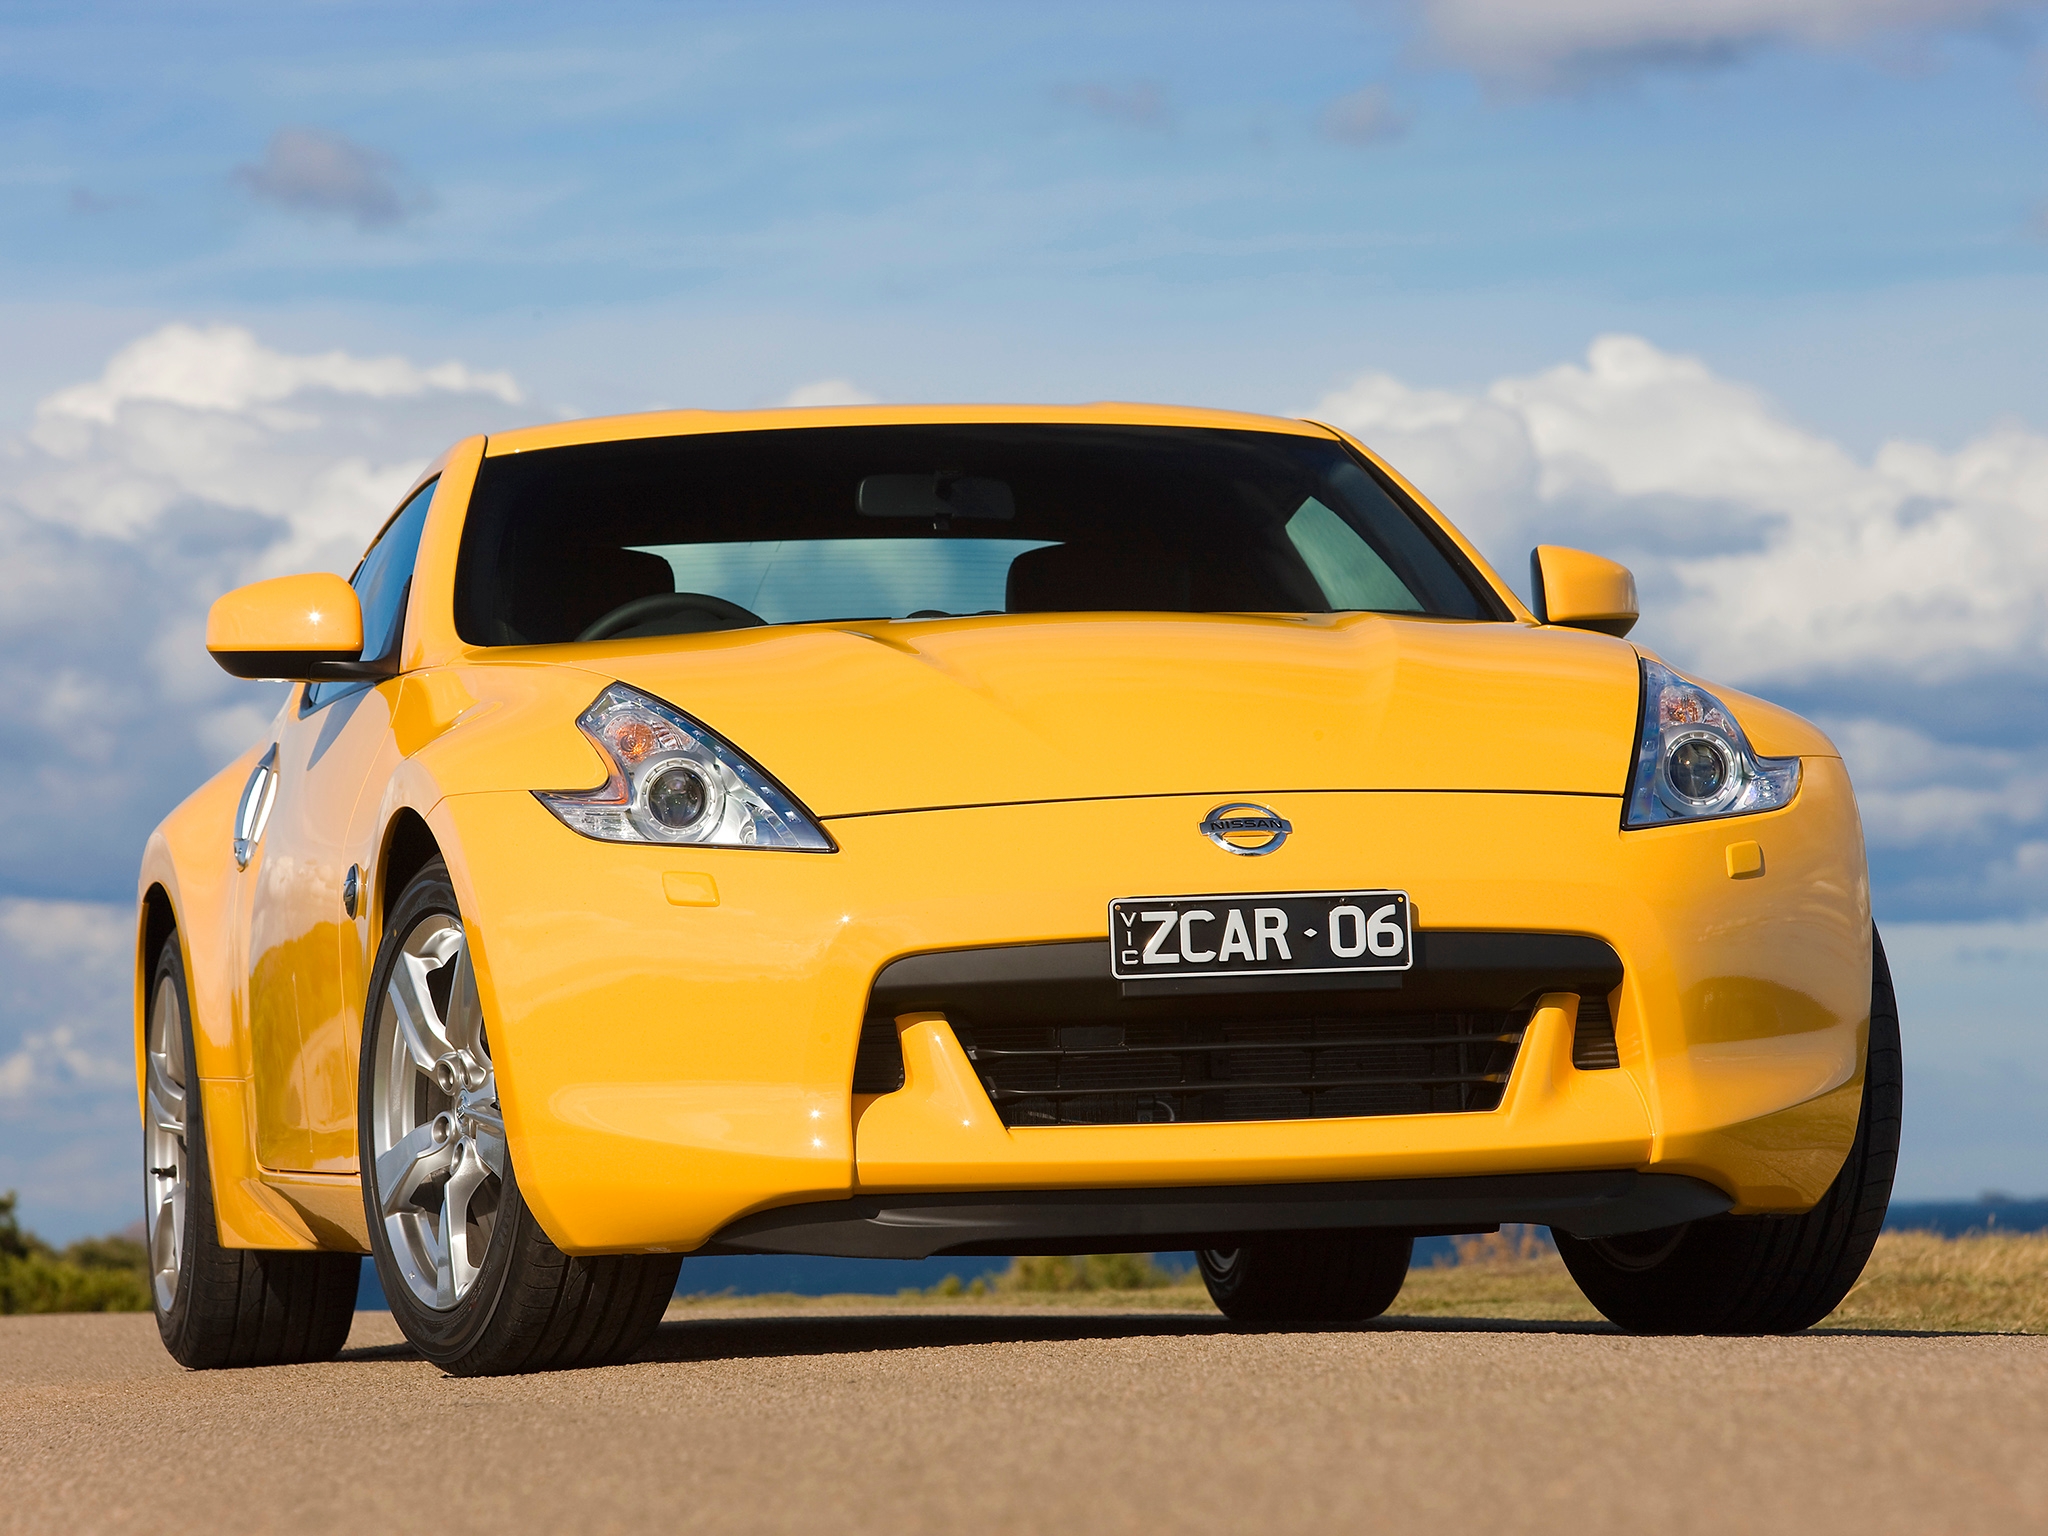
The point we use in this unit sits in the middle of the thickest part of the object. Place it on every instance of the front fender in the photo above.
(190, 859)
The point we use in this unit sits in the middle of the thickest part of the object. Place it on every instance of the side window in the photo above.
(382, 582)
(1350, 571)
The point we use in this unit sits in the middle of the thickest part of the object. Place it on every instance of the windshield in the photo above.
(679, 535)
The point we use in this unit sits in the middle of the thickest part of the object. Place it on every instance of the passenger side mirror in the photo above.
(303, 628)
(1582, 591)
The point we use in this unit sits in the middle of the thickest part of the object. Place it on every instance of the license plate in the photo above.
(1298, 933)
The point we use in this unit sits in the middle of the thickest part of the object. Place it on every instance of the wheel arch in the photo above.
(156, 923)
(409, 846)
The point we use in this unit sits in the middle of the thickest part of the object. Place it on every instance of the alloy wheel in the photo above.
(437, 1136)
(165, 1159)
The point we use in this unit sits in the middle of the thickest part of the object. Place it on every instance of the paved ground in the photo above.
(1039, 1421)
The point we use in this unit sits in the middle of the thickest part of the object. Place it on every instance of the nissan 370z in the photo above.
(910, 832)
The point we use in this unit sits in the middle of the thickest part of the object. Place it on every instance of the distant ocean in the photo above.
(760, 1274)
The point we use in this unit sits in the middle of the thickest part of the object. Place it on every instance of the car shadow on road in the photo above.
(368, 1353)
(731, 1338)
(782, 1336)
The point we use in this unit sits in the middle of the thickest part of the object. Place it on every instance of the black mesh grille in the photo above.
(1593, 1047)
(1152, 1070)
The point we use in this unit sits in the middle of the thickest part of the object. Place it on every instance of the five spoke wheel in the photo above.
(166, 1160)
(437, 1137)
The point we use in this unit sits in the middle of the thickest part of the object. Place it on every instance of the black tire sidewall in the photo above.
(441, 1336)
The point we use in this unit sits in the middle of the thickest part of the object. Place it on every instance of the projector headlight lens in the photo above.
(1697, 768)
(677, 797)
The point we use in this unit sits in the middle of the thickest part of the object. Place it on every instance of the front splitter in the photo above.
(1600, 1203)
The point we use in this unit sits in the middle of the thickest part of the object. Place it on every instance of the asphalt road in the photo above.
(1039, 1421)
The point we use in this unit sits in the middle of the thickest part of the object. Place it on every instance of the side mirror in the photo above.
(1582, 591)
(304, 628)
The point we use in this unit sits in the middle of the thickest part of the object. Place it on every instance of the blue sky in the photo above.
(1754, 296)
(971, 199)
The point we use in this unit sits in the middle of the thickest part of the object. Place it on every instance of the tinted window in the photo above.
(381, 583)
(674, 535)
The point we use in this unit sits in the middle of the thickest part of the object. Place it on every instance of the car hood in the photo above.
(885, 716)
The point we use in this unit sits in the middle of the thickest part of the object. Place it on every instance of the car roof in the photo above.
(613, 429)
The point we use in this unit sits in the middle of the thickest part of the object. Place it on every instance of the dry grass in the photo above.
(1915, 1281)
(1534, 1289)
(1988, 1282)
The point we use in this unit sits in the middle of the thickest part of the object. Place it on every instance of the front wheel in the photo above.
(471, 1278)
(1307, 1277)
(1763, 1274)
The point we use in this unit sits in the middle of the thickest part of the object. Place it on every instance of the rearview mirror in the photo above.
(1582, 591)
(936, 497)
(303, 628)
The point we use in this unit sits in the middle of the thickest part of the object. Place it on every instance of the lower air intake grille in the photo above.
(1593, 1047)
(878, 1063)
(1147, 1071)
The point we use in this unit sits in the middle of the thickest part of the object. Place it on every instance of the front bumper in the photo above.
(675, 1030)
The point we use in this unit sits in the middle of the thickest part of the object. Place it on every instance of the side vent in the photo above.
(1593, 1047)
(878, 1064)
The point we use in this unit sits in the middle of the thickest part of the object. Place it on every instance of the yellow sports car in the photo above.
(899, 832)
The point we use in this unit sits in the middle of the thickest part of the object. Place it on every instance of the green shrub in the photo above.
(1089, 1272)
(95, 1274)
(15, 1243)
(39, 1284)
(109, 1253)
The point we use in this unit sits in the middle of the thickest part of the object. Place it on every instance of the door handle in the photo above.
(253, 814)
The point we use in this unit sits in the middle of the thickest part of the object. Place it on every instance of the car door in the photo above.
(308, 960)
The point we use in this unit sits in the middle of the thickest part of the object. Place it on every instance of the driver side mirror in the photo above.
(1582, 591)
(301, 628)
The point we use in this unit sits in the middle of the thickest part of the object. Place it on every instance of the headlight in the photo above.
(675, 781)
(1693, 760)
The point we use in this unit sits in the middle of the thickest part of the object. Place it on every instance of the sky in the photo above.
(1752, 295)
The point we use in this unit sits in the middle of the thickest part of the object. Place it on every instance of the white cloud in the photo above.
(829, 392)
(197, 460)
(1917, 792)
(1553, 42)
(208, 412)
(64, 1023)
(224, 368)
(69, 1138)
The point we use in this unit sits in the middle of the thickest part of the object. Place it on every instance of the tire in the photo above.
(218, 1306)
(1307, 1277)
(1763, 1274)
(471, 1278)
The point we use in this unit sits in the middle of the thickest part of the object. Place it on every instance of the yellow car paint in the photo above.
(675, 1028)
(287, 613)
